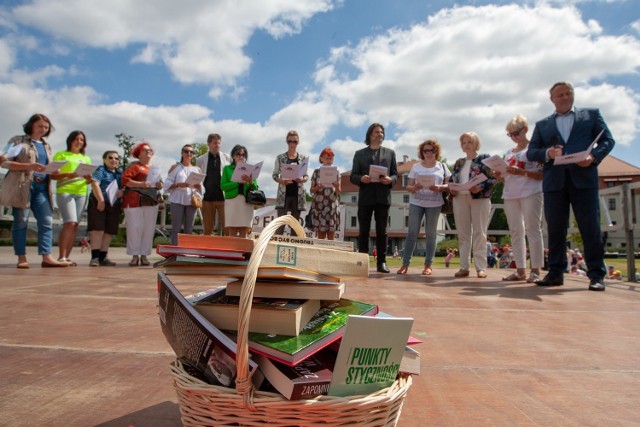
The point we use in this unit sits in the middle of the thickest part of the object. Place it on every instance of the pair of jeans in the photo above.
(416, 213)
(41, 207)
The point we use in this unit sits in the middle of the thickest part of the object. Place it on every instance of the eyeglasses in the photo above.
(117, 159)
(241, 154)
(292, 141)
(427, 151)
(148, 150)
(515, 133)
(187, 151)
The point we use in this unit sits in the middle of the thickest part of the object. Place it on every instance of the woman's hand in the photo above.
(159, 185)
(37, 167)
(475, 189)
(100, 206)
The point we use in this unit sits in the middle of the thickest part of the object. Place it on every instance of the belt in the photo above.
(38, 179)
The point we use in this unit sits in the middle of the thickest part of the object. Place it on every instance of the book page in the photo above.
(293, 171)
(84, 169)
(577, 157)
(246, 169)
(496, 163)
(327, 175)
(425, 180)
(376, 172)
(54, 167)
(154, 174)
(478, 179)
(195, 178)
(111, 191)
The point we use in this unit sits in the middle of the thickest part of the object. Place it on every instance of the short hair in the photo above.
(473, 137)
(292, 133)
(326, 152)
(72, 136)
(212, 137)
(28, 127)
(367, 139)
(106, 153)
(135, 152)
(235, 150)
(432, 142)
(517, 122)
(556, 84)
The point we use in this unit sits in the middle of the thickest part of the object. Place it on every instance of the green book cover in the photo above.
(326, 326)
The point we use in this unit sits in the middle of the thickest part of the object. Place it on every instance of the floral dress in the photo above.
(325, 207)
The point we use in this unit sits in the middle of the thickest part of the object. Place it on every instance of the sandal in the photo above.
(427, 271)
(403, 270)
(135, 260)
(23, 265)
(533, 277)
(513, 277)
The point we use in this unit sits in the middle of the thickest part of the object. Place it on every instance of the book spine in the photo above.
(321, 260)
(322, 243)
(309, 390)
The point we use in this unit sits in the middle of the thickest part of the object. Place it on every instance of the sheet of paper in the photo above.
(195, 178)
(425, 180)
(376, 172)
(13, 151)
(327, 175)
(496, 163)
(54, 167)
(154, 174)
(577, 157)
(246, 169)
(478, 179)
(84, 169)
(111, 191)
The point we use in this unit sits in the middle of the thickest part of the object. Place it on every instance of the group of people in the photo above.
(531, 180)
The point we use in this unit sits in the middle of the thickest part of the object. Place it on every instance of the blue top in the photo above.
(105, 177)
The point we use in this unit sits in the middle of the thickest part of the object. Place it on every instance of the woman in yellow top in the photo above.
(71, 191)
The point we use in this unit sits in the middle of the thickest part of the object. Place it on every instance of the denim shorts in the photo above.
(71, 206)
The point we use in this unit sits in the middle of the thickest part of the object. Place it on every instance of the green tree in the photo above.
(126, 142)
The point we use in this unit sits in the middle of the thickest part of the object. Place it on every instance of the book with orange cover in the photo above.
(217, 242)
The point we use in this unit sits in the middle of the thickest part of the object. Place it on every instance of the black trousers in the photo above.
(381, 215)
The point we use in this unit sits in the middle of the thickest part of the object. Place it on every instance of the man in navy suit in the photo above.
(374, 195)
(571, 130)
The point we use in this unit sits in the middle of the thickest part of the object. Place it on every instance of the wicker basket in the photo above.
(202, 404)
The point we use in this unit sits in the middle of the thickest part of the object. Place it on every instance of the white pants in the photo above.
(472, 220)
(524, 216)
(141, 227)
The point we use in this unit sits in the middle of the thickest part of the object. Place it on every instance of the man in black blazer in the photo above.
(571, 130)
(374, 196)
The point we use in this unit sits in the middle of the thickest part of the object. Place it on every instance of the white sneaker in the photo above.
(95, 262)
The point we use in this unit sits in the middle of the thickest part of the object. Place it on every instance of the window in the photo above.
(611, 184)
(405, 198)
(612, 204)
(354, 221)
(354, 199)
(406, 221)
(405, 180)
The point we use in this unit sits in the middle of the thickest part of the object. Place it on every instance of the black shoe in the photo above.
(382, 268)
(551, 280)
(596, 285)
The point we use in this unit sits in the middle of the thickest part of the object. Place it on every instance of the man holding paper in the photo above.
(374, 195)
(570, 130)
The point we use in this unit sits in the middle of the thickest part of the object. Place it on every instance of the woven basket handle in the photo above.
(243, 382)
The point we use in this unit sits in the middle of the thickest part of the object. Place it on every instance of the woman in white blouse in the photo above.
(180, 194)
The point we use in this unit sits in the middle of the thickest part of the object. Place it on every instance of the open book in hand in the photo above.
(376, 172)
(195, 178)
(478, 179)
(293, 170)
(577, 157)
(84, 169)
(328, 175)
(246, 169)
(496, 163)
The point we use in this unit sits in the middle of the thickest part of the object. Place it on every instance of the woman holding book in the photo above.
(290, 197)
(180, 193)
(26, 189)
(71, 191)
(425, 184)
(325, 206)
(103, 213)
(522, 196)
(238, 213)
(472, 207)
(141, 181)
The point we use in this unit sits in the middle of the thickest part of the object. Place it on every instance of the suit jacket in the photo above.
(203, 161)
(588, 124)
(374, 193)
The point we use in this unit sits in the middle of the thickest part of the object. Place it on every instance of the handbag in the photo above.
(256, 198)
(196, 200)
(148, 196)
(447, 200)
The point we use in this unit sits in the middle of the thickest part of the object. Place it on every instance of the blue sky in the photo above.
(172, 72)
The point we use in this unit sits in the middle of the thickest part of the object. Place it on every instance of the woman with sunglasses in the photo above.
(290, 197)
(141, 182)
(180, 192)
(426, 182)
(71, 191)
(522, 196)
(238, 214)
(103, 212)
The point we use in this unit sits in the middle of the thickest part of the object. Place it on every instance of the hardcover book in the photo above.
(309, 241)
(195, 261)
(332, 291)
(370, 354)
(194, 338)
(168, 250)
(326, 326)
(316, 258)
(268, 315)
(264, 273)
(306, 380)
(219, 242)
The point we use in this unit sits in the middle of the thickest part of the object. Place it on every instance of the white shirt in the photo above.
(426, 198)
(179, 174)
(519, 186)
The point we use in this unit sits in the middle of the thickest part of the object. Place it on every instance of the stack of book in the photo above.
(297, 323)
